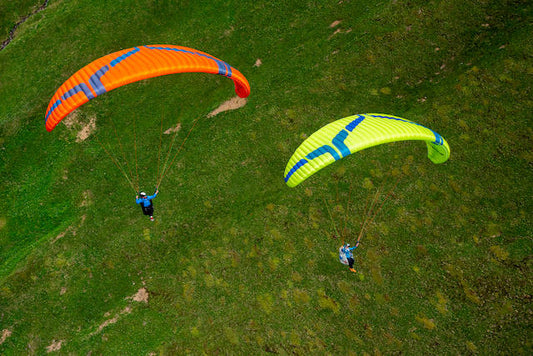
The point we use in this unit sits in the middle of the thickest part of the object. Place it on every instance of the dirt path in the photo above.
(11, 34)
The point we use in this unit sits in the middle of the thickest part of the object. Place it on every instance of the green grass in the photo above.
(13, 12)
(236, 261)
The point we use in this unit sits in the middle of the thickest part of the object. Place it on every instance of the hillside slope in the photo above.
(237, 262)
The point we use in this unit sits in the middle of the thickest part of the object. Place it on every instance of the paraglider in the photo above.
(350, 135)
(147, 205)
(354, 133)
(127, 66)
(131, 65)
(346, 255)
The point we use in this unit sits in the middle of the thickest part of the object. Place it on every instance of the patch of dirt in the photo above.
(231, 104)
(55, 346)
(258, 62)
(113, 320)
(108, 322)
(61, 235)
(71, 120)
(5, 334)
(140, 296)
(173, 129)
(84, 130)
(339, 30)
(83, 217)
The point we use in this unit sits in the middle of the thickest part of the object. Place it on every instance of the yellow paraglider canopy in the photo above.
(355, 133)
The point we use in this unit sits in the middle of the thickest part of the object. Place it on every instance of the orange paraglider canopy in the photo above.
(131, 65)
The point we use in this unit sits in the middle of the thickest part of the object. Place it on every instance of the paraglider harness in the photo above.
(148, 210)
(343, 255)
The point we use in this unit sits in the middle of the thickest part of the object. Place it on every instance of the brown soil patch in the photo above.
(231, 104)
(140, 296)
(5, 334)
(55, 346)
(84, 130)
(113, 320)
(173, 129)
(337, 31)
(258, 62)
(61, 235)
(71, 120)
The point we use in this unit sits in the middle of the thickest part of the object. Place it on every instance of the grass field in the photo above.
(236, 262)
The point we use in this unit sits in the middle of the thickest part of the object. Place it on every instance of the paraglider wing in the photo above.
(354, 133)
(131, 65)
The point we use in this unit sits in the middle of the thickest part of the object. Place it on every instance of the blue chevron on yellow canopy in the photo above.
(355, 133)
